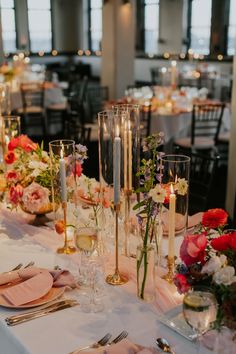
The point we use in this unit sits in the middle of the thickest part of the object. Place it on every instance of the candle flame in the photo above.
(173, 63)
(172, 189)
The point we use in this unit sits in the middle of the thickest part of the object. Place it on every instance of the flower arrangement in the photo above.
(25, 178)
(208, 258)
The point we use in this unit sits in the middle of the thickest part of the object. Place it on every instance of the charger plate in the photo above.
(174, 319)
(53, 294)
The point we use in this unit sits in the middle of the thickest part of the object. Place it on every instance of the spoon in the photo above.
(163, 344)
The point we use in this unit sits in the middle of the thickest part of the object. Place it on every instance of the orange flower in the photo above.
(60, 226)
(9, 157)
(214, 218)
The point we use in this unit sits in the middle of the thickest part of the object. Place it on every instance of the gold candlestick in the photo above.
(67, 248)
(169, 276)
(128, 194)
(116, 278)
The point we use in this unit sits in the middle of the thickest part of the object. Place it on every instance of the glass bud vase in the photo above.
(146, 272)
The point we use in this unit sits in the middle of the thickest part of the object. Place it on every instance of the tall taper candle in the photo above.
(171, 238)
(125, 158)
(130, 157)
(116, 169)
(63, 178)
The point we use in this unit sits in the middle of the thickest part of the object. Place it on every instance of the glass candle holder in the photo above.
(62, 159)
(11, 128)
(175, 179)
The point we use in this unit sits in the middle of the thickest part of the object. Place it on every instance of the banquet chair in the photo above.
(95, 100)
(78, 132)
(32, 111)
(205, 127)
(203, 170)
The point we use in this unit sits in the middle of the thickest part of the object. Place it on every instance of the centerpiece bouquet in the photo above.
(208, 258)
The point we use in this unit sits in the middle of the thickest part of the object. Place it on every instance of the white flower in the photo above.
(214, 264)
(181, 186)
(37, 167)
(225, 276)
(158, 194)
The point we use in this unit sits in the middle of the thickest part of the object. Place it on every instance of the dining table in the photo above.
(63, 331)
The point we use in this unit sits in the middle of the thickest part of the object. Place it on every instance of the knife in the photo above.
(43, 307)
(44, 312)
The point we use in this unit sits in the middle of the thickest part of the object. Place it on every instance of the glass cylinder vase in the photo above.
(10, 128)
(63, 174)
(145, 263)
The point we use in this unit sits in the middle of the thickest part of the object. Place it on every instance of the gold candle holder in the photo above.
(67, 248)
(128, 194)
(169, 276)
(117, 278)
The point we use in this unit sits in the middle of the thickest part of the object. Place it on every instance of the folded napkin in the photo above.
(29, 290)
(180, 221)
(123, 347)
(60, 277)
(35, 283)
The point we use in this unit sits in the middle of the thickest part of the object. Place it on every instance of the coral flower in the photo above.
(193, 249)
(214, 218)
(12, 176)
(10, 157)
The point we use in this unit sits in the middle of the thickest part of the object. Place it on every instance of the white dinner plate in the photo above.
(53, 294)
(174, 319)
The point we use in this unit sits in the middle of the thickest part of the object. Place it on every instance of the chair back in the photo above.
(206, 121)
(32, 95)
(203, 168)
(95, 100)
(78, 132)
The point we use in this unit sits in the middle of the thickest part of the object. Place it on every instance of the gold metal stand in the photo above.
(116, 278)
(170, 274)
(128, 194)
(67, 249)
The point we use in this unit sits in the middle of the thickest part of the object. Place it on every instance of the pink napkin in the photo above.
(29, 290)
(60, 277)
(123, 347)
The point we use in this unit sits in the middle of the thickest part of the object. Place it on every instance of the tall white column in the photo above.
(118, 46)
(231, 180)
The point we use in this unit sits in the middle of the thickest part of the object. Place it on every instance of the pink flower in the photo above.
(193, 249)
(12, 176)
(15, 194)
(78, 169)
(27, 144)
(35, 198)
(13, 144)
(181, 283)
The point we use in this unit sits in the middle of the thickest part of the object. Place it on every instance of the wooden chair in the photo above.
(205, 127)
(32, 112)
(203, 170)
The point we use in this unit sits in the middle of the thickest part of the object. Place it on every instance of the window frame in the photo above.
(89, 27)
(227, 30)
(16, 26)
(52, 31)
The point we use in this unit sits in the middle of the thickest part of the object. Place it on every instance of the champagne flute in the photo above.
(199, 310)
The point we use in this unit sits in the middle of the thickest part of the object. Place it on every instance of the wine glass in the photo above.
(199, 310)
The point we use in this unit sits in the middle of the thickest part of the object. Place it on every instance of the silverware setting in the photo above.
(103, 342)
(20, 265)
(24, 317)
(164, 345)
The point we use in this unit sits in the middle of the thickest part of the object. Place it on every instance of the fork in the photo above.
(20, 265)
(100, 343)
(30, 264)
(121, 336)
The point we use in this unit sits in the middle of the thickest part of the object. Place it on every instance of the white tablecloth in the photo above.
(63, 331)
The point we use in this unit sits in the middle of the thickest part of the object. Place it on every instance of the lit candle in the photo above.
(163, 72)
(173, 74)
(125, 157)
(172, 204)
(116, 171)
(130, 156)
(63, 176)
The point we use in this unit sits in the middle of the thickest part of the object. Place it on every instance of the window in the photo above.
(232, 29)
(40, 28)
(8, 25)
(200, 27)
(95, 24)
(151, 26)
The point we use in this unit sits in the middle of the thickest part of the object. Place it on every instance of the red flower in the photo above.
(12, 176)
(221, 243)
(15, 193)
(181, 283)
(27, 144)
(192, 249)
(10, 157)
(167, 189)
(214, 218)
(232, 241)
(78, 169)
(14, 143)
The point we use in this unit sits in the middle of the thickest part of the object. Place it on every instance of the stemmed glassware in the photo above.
(200, 310)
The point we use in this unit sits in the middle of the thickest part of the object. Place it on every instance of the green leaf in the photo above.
(138, 205)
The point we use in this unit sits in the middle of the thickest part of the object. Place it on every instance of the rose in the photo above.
(181, 283)
(15, 194)
(192, 249)
(232, 240)
(12, 176)
(225, 276)
(9, 157)
(221, 243)
(35, 197)
(24, 142)
(214, 218)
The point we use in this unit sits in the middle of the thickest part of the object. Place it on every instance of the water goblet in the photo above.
(199, 310)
